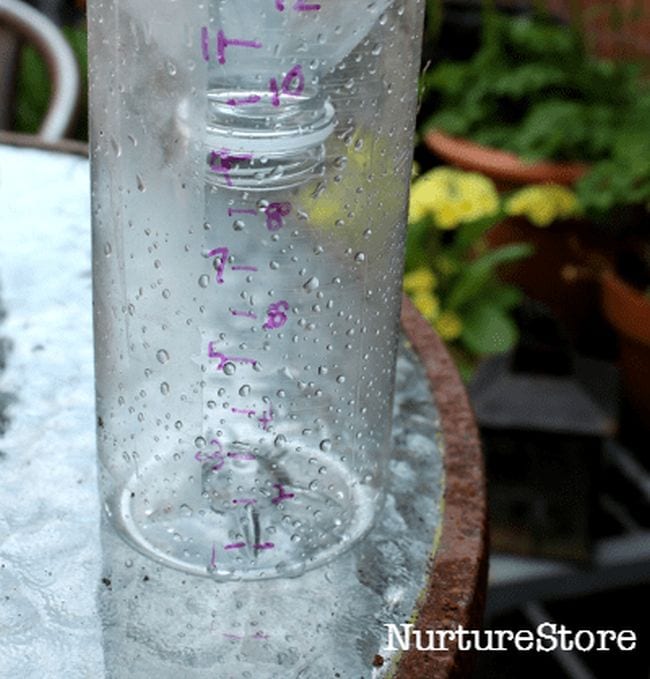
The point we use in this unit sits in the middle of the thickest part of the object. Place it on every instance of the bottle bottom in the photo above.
(252, 518)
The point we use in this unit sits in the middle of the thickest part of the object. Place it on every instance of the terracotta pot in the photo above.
(560, 272)
(506, 169)
(629, 312)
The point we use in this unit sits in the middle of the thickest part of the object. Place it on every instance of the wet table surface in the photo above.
(78, 602)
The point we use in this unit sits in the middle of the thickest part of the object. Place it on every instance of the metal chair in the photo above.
(25, 23)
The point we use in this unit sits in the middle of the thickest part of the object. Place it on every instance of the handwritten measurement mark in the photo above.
(247, 314)
(213, 557)
(243, 101)
(233, 637)
(282, 495)
(242, 411)
(235, 545)
(244, 501)
(243, 267)
(298, 6)
(265, 419)
(241, 211)
(264, 545)
(241, 456)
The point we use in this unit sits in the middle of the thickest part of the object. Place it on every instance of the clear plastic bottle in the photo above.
(250, 177)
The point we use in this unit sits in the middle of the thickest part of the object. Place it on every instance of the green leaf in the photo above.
(481, 271)
(488, 330)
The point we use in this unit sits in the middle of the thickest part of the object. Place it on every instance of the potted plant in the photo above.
(450, 274)
(533, 106)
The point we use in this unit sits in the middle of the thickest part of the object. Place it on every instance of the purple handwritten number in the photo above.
(222, 162)
(215, 456)
(223, 42)
(275, 212)
(222, 258)
(293, 85)
(281, 494)
(301, 6)
(266, 419)
(205, 44)
(276, 317)
(288, 86)
(275, 92)
(279, 5)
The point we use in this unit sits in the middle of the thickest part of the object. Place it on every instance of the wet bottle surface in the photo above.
(249, 209)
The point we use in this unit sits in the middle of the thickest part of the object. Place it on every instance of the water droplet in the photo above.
(229, 368)
(312, 284)
(199, 442)
(108, 249)
(128, 563)
(178, 424)
(367, 233)
(360, 257)
(157, 263)
(280, 441)
(204, 280)
(171, 68)
(140, 183)
(132, 139)
(245, 390)
(164, 388)
(325, 445)
(340, 379)
(166, 293)
(116, 148)
(313, 485)
(162, 356)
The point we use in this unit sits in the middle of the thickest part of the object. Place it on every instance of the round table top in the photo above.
(78, 602)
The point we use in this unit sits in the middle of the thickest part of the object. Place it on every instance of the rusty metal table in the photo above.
(78, 602)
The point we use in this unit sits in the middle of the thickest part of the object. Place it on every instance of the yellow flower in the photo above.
(543, 204)
(451, 197)
(427, 304)
(420, 280)
(449, 325)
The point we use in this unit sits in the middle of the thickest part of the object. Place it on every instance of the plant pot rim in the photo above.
(501, 165)
(627, 309)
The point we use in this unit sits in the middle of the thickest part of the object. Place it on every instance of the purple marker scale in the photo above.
(251, 164)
